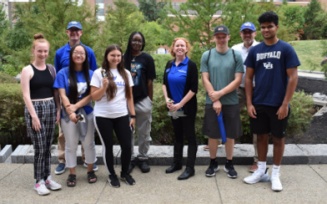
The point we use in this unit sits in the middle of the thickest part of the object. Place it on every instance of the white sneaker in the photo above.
(40, 188)
(265, 178)
(276, 185)
(51, 184)
(254, 178)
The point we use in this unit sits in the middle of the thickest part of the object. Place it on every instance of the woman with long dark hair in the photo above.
(41, 112)
(111, 89)
(73, 83)
(180, 85)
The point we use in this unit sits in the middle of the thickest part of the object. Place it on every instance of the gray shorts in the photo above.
(232, 122)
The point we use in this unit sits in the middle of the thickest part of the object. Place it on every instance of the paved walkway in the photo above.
(302, 184)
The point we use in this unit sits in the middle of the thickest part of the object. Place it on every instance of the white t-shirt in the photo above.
(116, 107)
(244, 52)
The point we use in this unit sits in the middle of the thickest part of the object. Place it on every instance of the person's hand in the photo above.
(217, 107)
(175, 107)
(58, 116)
(251, 111)
(169, 103)
(105, 82)
(73, 118)
(215, 95)
(36, 125)
(71, 108)
(282, 112)
(132, 124)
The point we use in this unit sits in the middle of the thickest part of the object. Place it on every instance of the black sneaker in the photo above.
(212, 169)
(229, 169)
(128, 179)
(143, 165)
(131, 166)
(113, 180)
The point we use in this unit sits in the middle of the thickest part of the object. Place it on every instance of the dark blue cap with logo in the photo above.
(221, 29)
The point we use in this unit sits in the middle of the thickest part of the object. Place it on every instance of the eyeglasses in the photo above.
(79, 53)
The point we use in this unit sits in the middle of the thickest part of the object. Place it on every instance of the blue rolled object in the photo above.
(221, 127)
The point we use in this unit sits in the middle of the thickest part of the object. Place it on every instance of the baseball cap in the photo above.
(74, 24)
(221, 29)
(248, 25)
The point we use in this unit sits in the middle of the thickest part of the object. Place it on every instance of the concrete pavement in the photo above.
(302, 184)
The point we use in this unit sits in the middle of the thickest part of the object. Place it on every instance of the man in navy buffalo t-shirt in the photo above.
(273, 63)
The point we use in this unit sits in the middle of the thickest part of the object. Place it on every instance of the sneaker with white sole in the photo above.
(212, 169)
(229, 169)
(40, 188)
(51, 184)
(255, 177)
(276, 185)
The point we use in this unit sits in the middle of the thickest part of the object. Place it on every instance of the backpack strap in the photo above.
(52, 70)
(210, 53)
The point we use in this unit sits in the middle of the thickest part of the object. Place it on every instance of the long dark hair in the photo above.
(73, 92)
(112, 87)
(128, 53)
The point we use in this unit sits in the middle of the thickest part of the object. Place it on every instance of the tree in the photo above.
(151, 9)
(124, 18)
(291, 17)
(314, 21)
(51, 19)
(196, 20)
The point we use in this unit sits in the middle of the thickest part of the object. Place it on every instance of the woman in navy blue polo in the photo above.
(180, 85)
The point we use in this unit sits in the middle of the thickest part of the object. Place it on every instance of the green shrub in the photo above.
(300, 118)
(160, 62)
(12, 124)
(6, 78)
(13, 129)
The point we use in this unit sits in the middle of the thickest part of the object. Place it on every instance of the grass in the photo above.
(310, 53)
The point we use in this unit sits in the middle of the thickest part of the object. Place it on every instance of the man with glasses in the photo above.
(274, 64)
(74, 32)
(247, 33)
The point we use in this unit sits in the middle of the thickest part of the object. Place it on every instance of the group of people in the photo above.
(262, 76)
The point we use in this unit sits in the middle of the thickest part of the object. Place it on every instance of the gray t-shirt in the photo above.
(222, 68)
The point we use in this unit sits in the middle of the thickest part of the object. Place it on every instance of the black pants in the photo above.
(185, 127)
(105, 128)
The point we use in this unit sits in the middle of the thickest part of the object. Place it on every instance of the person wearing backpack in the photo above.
(221, 70)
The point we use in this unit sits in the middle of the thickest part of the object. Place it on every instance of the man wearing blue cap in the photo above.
(221, 70)
(74, 32)
(247, 33)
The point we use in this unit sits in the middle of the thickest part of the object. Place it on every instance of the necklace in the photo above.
(134, 56)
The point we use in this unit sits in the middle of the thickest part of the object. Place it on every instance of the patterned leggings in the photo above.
(42, 140)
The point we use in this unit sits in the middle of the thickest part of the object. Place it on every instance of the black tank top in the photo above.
(41, 84)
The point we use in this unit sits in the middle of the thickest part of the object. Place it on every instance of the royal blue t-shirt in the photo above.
(62, 81)
(177, 79)
(270, 64)
(62, 57)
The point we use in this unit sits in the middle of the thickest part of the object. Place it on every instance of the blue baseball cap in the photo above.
(248, 25)
(74, 24)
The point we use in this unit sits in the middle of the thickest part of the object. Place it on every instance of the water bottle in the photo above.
(221, 127)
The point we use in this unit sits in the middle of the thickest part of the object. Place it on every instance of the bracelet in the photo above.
(132, 116)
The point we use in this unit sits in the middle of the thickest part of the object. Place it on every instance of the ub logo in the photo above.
(268, 65)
